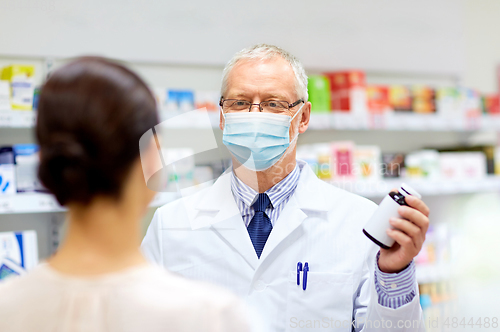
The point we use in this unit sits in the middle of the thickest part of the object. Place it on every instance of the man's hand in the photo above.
(409, 234)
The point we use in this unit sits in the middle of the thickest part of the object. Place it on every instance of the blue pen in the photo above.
(299, 268)
(306, 269)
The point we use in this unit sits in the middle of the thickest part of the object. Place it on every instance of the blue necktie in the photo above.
(260, 226)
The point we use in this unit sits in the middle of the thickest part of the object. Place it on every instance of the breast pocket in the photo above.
(325, 305)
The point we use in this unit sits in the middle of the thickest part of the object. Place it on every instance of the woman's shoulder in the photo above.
(165, 297)
(161, 282)
(132, 297)
(16, 292)
(146, 280)
(21, 282)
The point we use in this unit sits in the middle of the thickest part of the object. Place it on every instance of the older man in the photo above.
(272, 232)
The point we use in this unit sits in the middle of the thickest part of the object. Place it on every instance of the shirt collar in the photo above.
(242, 191)
(277, 194)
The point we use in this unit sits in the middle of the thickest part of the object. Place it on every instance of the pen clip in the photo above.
(299, 268)
(306, 269)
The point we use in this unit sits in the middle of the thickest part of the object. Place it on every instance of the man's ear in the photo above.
(305, 117)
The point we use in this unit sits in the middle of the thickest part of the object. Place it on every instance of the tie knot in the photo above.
(261, 203)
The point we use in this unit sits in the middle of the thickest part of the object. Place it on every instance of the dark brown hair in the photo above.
(91, 115)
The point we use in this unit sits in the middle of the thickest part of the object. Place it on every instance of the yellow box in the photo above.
(497, 160)
(22, 85)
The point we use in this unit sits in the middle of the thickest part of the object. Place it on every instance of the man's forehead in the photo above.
(275, 73)
(277, 63)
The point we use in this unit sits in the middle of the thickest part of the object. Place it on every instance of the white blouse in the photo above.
(144, 298)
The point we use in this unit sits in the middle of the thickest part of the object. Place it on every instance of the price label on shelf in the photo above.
(47, 203)
(428, 187)
(456, 123)
(6, 205)
(17, 119)
(470, 186)
(377, 121)
(491, 183)
(436, 122)
(345, 120)
(27, 120)
(473, 121)
(495, 122)
(320, 121)
(392, 121)
(414, 121)
(447, 187)
(5, 119)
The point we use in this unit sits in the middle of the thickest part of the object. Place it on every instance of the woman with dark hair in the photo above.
(91, 116)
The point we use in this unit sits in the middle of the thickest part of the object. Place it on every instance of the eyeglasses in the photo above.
(271, 106)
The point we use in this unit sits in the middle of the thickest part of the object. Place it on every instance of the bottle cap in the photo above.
(406, 190)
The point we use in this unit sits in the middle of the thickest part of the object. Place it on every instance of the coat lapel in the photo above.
(306, 201)
(290, 219)
(218, 210)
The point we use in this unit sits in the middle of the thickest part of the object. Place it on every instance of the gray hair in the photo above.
(265, 52)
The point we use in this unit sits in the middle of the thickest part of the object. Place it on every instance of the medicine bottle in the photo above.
(375, 229)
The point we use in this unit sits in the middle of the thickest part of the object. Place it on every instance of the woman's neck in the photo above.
(102, 237)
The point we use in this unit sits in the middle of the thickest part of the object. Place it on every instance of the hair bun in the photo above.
(65, 148)
(64, 164)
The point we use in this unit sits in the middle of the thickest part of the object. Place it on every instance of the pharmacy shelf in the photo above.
(28, 203)
(390, 121)
(39, 203)
(319, 121)
(402, 122)
(424, 187)
(17, 119)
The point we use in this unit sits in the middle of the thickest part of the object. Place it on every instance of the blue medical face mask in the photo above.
(257, 140)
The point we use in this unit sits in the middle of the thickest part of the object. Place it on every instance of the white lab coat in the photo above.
(203, 237)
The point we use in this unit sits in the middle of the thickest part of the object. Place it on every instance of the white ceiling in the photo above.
(422, 36)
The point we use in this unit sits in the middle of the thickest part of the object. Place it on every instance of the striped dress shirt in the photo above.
(279, 195)
(394, 289)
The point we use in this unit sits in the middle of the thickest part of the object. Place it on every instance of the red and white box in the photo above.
(348, 91)
(378, 105)
(491, 104)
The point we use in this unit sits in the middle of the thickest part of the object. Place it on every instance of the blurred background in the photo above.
(404, 91)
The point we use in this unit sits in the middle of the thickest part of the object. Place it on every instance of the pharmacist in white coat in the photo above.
(268, 217)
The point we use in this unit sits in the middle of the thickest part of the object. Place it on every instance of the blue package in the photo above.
(6, 155)
(36, 98)
(25, 149)
(19, 250)
(9, 269)
(180, 100)
(186, 100)
(7, 171)
(6, 271)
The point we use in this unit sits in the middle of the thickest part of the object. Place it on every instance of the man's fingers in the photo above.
(402, 239)
(410, 229)
(406, 226)
(418, 204)
(415, 216)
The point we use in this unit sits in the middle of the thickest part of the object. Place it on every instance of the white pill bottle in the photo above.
(376, 228)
